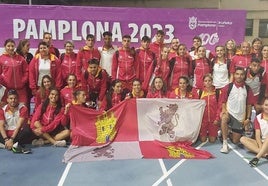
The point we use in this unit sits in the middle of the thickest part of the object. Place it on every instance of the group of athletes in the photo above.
(231, 80)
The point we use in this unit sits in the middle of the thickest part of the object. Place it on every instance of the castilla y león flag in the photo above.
(137, 128)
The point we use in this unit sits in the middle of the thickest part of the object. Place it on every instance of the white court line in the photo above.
(64, 175)
(165, 175)
(255, 168)
(164, 170)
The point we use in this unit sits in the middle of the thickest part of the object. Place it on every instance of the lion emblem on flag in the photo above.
(166, 124)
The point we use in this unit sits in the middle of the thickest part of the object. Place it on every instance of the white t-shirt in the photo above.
(44, 69)
(107, 58)
(255, 84)
(220, 75)
(262, 124)
(237, 102)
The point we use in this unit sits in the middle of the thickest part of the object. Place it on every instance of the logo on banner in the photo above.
(192, 22)
(210, 39)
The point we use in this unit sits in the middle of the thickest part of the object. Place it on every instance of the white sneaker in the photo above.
(2, 146)
(225, 149)
(15, 145)
(61, 143)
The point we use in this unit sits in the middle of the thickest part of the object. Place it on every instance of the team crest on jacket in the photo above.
(192, 22)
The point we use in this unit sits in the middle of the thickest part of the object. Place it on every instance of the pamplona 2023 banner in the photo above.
(74, 23)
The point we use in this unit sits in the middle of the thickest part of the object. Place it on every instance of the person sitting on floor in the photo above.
(259, 145)
(48, 122)
(14, 130)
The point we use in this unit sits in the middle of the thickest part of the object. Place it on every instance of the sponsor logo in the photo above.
(192, 22)
(210, 39)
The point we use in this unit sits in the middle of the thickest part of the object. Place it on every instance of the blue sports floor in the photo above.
(44, 167)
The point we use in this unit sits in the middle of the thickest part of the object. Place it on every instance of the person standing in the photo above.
(23, 50)
(146, 62)
(200, 66)
(241, 60)
(173, 51)
(197, 42)
(85, 54)
(68, 61)
(230, 49)
(14, 71)
(264, 64)
(220, 68)
(124, 67)
(107, 51)
(162, 68)
(44, 63)
(180, 65)
(209, 127)
(256, 47)
(157, 46)
(47, 38)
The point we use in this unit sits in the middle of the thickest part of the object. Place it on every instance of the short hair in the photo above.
(160, 32)
(46, 33)
(197, 38)
(43, 43)
(257, 60)
(126, 37)
(146, 39)
(107, 33)
(77, 92)
(136, 80)
(68, 42)
(12, 92)
(90, 36)
(240, 68)
(94, 61)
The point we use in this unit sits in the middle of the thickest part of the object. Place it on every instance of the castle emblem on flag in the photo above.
(105, 126)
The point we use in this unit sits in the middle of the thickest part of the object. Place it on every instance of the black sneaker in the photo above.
(254, 162)
(20, 149)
